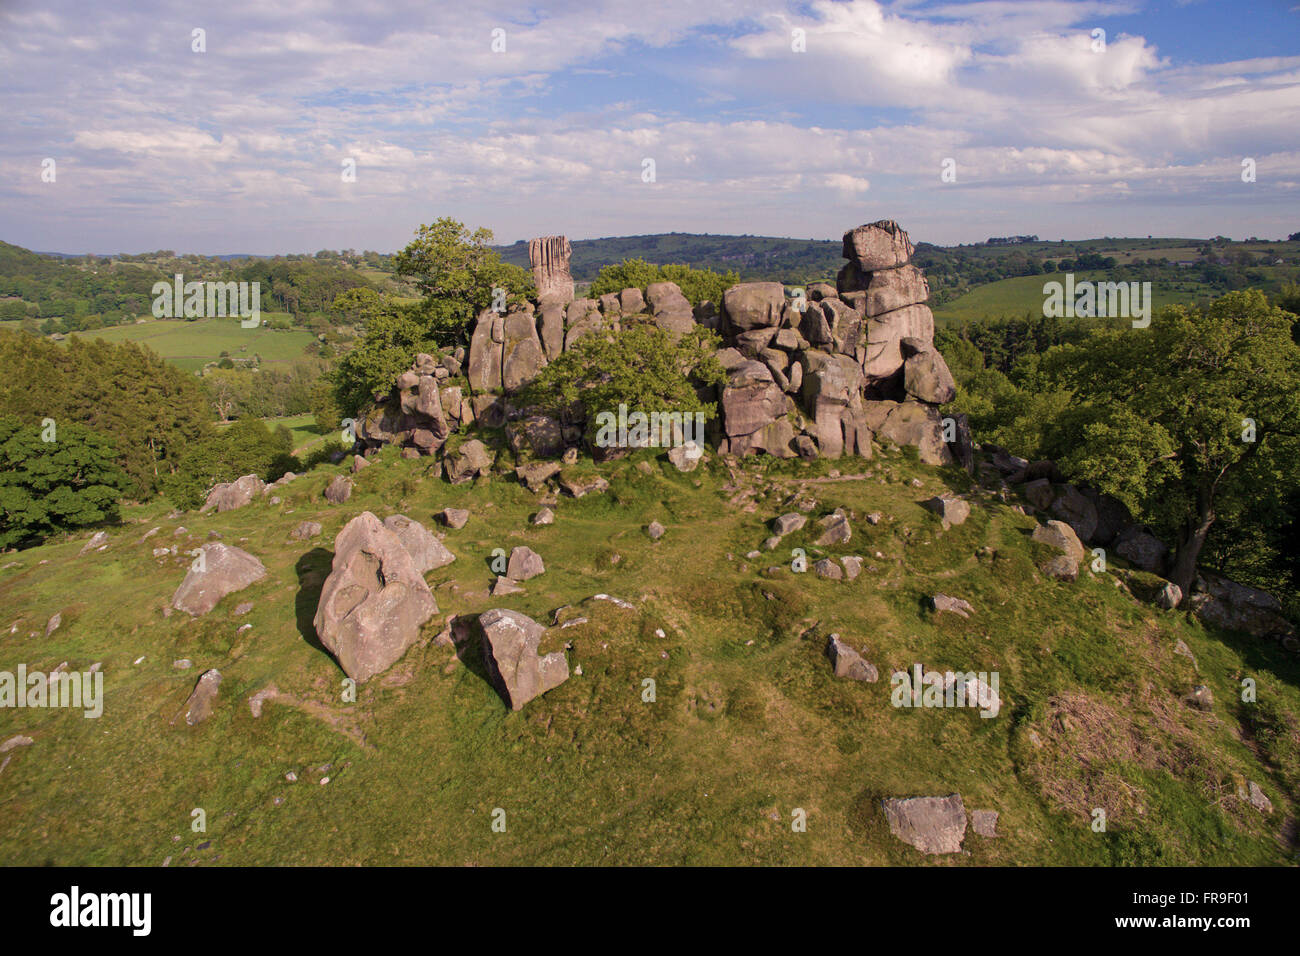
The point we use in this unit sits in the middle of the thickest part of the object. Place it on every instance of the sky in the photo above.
(960, 120)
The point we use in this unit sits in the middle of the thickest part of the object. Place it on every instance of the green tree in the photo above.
(50, 487)
(247, 447)
(641, 367)
(393, 338)
(1188, 419)
(457, 272)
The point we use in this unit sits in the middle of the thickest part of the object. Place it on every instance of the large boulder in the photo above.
(931, 824)
(1141, 549)
(549, 258)
(234, 494)
(217, 571)
(1227, 604)
(1059, 535)
(374, 601)
(877, 245)
(510, 642)
(752, 305)
(426, 551)
(1072, 507)
(631, 302)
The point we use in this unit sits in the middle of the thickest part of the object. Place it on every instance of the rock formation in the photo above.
(818, 374)
(549, 258)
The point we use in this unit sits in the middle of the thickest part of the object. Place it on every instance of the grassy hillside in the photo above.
(748, 724)
(192, 344)
(1014, 297)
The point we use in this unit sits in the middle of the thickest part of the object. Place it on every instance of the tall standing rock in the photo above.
(549, 258)
(374, 602)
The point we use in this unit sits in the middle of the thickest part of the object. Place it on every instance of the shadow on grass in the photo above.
(312, 569)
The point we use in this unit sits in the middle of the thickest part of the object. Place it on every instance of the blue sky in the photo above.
(240, 148)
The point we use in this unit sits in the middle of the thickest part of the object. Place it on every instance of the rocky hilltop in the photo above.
(819, 373)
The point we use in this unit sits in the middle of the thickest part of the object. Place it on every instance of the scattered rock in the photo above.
(469, 461)
(852, 566)
(224, 571)
(339, 490)
(53, 623)
(827, 568)
(358, 463)
(942, 602)
(454, 517)
(234, 494)
(931, 824)
(848, 662)
(655, 530)
(97, 540)
(14, 742)
(952, 510)
(835, 529)
(985, 823)
(579, 485)
(534, 474)
(544, 516)
(685, 457)
(203, 699)
(1063, 567)
(1169, 596)
(1259, 800)
(306, 530)
(1059, 535)
(788, 523)
(503, 585)
(524, 563)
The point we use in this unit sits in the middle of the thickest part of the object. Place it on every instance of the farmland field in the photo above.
(1014, 297)
(190, 345)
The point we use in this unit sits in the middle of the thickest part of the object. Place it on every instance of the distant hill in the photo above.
(753, 257)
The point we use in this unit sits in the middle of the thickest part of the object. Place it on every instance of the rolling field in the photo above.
(191, 345)
(1012, 298)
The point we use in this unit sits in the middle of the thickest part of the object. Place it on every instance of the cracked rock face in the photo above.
(374, 601)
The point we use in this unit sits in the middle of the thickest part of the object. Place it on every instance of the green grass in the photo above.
(191, 345)
(748, 722)
(1012, 298)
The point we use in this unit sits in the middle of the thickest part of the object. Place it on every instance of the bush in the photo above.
(640, 367)
(698, 285)
(247, 447)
